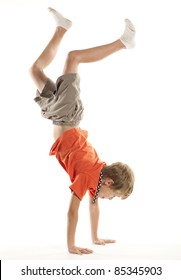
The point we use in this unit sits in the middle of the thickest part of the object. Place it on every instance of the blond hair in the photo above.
(123, 178)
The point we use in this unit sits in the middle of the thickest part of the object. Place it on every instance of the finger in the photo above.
(109, 241)
(100, 242)
(79, 252)
(75, 251)
(86, 251)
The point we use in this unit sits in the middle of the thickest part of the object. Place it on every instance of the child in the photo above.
(60, 102)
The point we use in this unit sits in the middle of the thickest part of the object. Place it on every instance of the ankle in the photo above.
(60, 30)
(120, 44)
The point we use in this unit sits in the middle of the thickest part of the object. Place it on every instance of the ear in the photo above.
(108, 182)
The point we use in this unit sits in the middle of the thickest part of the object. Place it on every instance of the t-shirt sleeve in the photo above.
(92, 193)
(80, 185)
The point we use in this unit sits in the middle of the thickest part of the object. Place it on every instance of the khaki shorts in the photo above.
(60, 101)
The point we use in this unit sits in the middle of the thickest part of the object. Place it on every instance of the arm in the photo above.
(94, 220)
(71, 227)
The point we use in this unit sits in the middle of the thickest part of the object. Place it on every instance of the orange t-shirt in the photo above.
(79, 159)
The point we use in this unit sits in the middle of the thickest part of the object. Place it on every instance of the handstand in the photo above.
(61, 103)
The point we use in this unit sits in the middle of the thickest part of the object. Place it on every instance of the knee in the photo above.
(73, 57)
(72, 62)
(34, 70)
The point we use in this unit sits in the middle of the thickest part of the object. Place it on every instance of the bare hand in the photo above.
(103, 241)
(79, 250)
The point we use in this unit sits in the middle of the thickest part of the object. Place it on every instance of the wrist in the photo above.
(70, 243)
(94, 238)
(70, 246)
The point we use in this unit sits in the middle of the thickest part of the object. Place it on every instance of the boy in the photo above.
(61, 103)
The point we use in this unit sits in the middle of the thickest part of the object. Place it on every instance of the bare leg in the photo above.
(45, 58)
(76, 57)
(126, 41)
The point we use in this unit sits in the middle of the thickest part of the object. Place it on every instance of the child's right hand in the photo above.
(79, 250)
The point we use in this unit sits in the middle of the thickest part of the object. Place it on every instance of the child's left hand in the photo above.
(99, 241)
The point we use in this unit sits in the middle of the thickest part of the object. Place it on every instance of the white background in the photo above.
(132, 113)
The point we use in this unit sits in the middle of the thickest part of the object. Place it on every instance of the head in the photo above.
(118, 180)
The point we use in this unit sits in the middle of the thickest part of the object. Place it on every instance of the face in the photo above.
(106, 192)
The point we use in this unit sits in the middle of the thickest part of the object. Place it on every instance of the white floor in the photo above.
(108, 252)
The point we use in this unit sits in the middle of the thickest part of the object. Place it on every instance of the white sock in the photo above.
(60, 20)
(127, 37)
